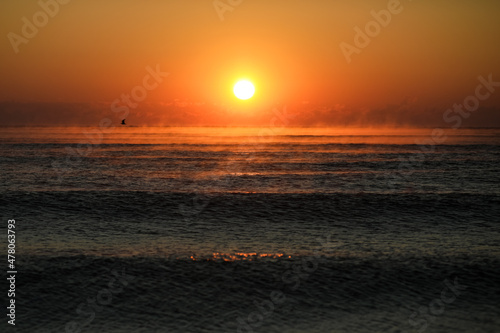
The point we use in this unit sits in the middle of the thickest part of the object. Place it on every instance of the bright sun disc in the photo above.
(244, 89)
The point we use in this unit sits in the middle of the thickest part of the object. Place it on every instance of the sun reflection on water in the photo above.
(240, 256)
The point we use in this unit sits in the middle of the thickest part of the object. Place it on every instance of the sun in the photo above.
(244, 89)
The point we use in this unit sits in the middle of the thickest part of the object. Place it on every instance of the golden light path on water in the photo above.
(241, 177)
(240, 256)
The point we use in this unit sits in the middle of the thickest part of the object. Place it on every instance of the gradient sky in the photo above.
(91, 51)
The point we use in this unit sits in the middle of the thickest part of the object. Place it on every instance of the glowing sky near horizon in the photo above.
(94, 51)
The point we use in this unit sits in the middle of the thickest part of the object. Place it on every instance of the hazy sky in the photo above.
(93, 51)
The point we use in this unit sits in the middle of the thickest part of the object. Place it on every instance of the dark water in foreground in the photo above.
(220, 230)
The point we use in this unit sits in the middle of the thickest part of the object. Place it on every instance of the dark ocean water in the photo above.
(223, 230)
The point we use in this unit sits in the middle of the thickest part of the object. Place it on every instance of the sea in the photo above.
(206, 229)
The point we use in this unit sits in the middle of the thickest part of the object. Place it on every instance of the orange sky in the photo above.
(430, 53)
